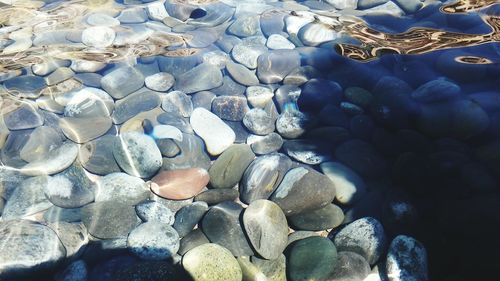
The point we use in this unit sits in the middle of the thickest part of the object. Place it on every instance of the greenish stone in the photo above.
(249, 270)
(358, 96)
(228, 169)
(192, 240)
(216, 196)
(327, 217)
(299, 235)
(274, 270)
(211, 262)
(311, 258)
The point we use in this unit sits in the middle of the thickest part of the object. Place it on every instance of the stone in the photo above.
(209, 262)
(122, 81)
(349, 267)
(216, 196)
(221, 224)
(258, 122)
(365, 237)
(192, 154)
(303, 190)
(409, 6)
(299, 235)
(79, 131)
(25, 116)
(200, 78)
(87, 69)
(192, 240)
(98, 19)
(133, 15)
(277, 42)
(57, 214)
(316, 93)
(217, 135)
(266, 227)
(292, 124)
(249, 270)
(134, 104)
(273, 66)
(180, 184)
(137, 154)
(27, 199)
(259, 96)
(88, 102)
(274, 270)
(307, 151)
(188, 217)
(29, 85)
(367, 4)
(161, 81)
(229, 88)
(362, 157)
(358, 96)
(406, 260)
(314, 34)
(301, 75)
(229, 167)
(177, 102)
(75, 271)
(109, 219)
(247, 54)
(153, 240)
(40, 143)
(265, 144)
(203, 99)
(32, 247)
(121, 187)
(349, 185)
(73, 236)
(98, 36)
(96, 156)
(59, 75)
(154, 211)
(324, 218)
(245, 26)
(231, 108)
(435, 91)
(263, 176)
(312, 258)
(241, 74)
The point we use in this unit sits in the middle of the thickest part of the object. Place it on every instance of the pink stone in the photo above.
(180, 184)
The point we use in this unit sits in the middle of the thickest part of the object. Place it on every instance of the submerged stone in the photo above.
(137, 154)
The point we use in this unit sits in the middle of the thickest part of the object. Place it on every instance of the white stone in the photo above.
(161, 81)
(157, 11)
(98, 19)
(218, 136)
(98, 36)
(276, 42)
(350, 186)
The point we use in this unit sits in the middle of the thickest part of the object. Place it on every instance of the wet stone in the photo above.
(273, 66)
(57, 214)
(406, 259)
(26, 116)
(249, 270)
(59, 75)
(203, 99)
(221, 224)
(137, 154)
(73, 236)
(121, 187)
(229, 87)
(241, 74)
(200, 78)
(192, 240)
(96, 156)
(292, 124)
(324, 218)
(247, 54)
(276, 42)
(216, 196)
(75, 271)
(245, 26)
(349, 267)
(192, 154)
(274, 270)
(153, 241)
(177, 102)
(134, 104)
(216, 134)
(259, 96)
(299, 235)
(27, 198)
(179, 184)
(229, 167)
(307, 151)
(154, 211)
(39, 144)
(98, 36)
(188, 217)
(79, 131)
(232, 108)
(349, 185)
(209, 262)
(161, 81)
(239, 130)
(265, 144)
(98, 19)
(109, 220)
(123, 81)
(29, 85)
(258, 122)
(175, 120)
(358, 96)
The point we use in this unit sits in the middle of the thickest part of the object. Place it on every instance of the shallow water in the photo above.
(372, 124)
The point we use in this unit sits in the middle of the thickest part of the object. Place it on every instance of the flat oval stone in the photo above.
(217, 135)
(312, 258)
(365, 236)
(177, 102)
(232, 108)
(273, 66)
(122, 81)
(350, 266)
(200, 78)
(79, 129)
(324, 218)
(153, 241)
(221, 224)
(188, 217)
(266, 227)
(203, 99)
(27, 198)
(26, 116)
(263, 176)
(97, 157)
(98, 36)
(229, 167)
(134, 104)
(292, 124)
(245, 26)
(310, 152)
(179, 184)
(89, 102)
(303, 190)
(192, 154)
(121, 187)
(32, 247)
(74, 237)
(259, 96)
(349, 185)
(216, 196)
(241, 74)
(57, 160)
(277, 42)
(154, 211)
(137, 154)
(39, 144)
(29, 85)
(314, 34)
(258, 122)
(209, 262)
(161, 81)
(192, 240)
(59, 75)
(247, 54)
(407, 259)
(109, 220)
(274, 270)
(265, 144)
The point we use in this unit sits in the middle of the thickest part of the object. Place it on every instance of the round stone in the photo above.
(57, 160)
(241, 74)
(216, 196)
(229, 167)
(179, 184)
(247, 54)
(259, 96)
(153, 241)
(39, 144)
(122, 81)
(29, 85)
(25, 116)
(161, 81)
(98, 19)
(122, 187)
(350, 267)
(189, 216)
(266, 227)
(232, 108)
(258, 122)
(349, 185)
(277, 41)
(79, 131)
(97, 156)
(292, 124)
(76, 271)
(217, 135)
(177, 102)
(98, 36)
(407, 260)
(324, 218)
(192, 240)
(137, 154)
(200, 78)
(274, 66)
(109, 220)
(88, 102)
(154, 211)
(134, 104)
(211, 262)
(265, 144)
(245, 26)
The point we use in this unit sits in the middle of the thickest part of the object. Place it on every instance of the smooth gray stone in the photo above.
(259, 96)
(188, 217)
(46, 67)
(272, 22)
(299, 235)
(89, 102)
(161, 81)
(263, 176)
(266, 227)
(137, 154)
(350, 267)
(177, 102)
(154, 211)
(301, 75)
(69, 189)
(49, 104)
(10, 151)
(153, 240)
(59, 75)
(110, 219)
(203, 99)
(73, 236)
(75, 271)
(229, 167)
(274, 270)
(192, 240)
(32, 247)
(303, 190)
(227, 42)
(241, 74)
(217, 58)
(28, 85)
(245, 26)
(222, 226)
(168, 147)
(192, 154)
(265, 144)
(94, 36)
(287, 96)
(274, 66)
(39, 144)
(97, 156)
(310, 152)
(27, 199)
(361, 157)
(367, 4)
(217, 13)
(407, 260)
(132, 15)
(324, 218)
(57, 160)
(173, 119)
(201, 78)
(134, 104)
(292, 124)
(211, 262)
(25, 116)
(202, 37)
(316, 33)
(229, 88)
(364, 236)
(240, 131)
(216, 196)
(258, 122)
(178, 64)
(79, 130)
(57, 214)
(173, 205)
(121, 187)
(349, 185)
(278, 42)
(247, 54)
(98, 19)
(436, 90)
(123, 81)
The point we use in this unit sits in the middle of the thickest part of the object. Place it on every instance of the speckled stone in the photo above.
(137, 154)
(407, 260)
(192, 240)
(27, 198)
(292, 124)
(123, 81)
(154, 211)
(177, 102)
(232, 108)
(274, 270)
(265, 144)
(249, 270)
(259, 96)
(307, 151)
(189, 216)
(109, 219)
(153, 241)
(73, 236)
(180, 184)
(210, 262)
(324, 218)
(97, 156)
(229, 167)
(258, 122)
(122, 187)
(161, 81)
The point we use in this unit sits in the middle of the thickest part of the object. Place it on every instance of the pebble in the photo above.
(98, 36)
(209, 262)
(122, 81)
(28, 198)
(137, 154)
(192, 240)
(328, 217)
(217, 135)
(161, 81)
(73, 236)
(98, 19)
(87, 67)
(274, 270)
(179, 184)
(89, 102)
(231, 108)
(241, 74)
(277, 41)
(39, 144)
(153, 240)
(245, 26)
(200, 78)
(274, 66)
(262, 145)
(174, 119)
(229, 167)
(69, 189)
(203, 99)
(121, 187)
(258, 122)
(292, 124)
(188, 217)
(192, 155)
(229, 88)
(259, 96)
(109, 219)
(134, 104)
(154, 211)
(78, 129)
(216, 196)
(25, 116)
(97, 157)
(349, 185)
(249, 270)
(57, 214)
(29, 85)
(406, 260)
(57, 160)
(307, 151)
(349, 267)
(247, 54)
(177, 102)
(358, 96)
